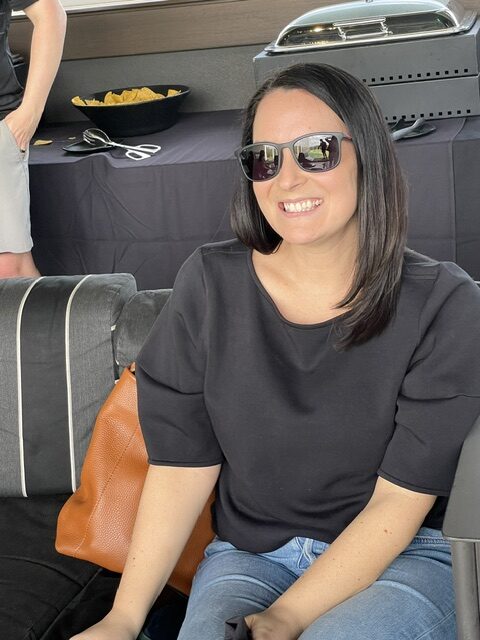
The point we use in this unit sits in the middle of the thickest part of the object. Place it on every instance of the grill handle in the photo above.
(345, 26)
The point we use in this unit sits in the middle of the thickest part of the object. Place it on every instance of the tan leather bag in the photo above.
(96, 522)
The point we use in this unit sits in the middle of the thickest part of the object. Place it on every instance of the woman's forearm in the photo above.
(172, 500)
(357, 557)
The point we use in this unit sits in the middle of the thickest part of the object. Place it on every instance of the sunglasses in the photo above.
(314, 152)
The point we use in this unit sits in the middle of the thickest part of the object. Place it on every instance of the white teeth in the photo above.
(298, 207)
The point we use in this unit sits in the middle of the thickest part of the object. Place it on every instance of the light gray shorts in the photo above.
(14, 195)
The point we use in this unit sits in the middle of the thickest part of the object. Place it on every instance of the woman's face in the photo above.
(330, 198)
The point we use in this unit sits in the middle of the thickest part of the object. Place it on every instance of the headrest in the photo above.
(135, 322)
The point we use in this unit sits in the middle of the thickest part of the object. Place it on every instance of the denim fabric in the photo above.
(412, 600)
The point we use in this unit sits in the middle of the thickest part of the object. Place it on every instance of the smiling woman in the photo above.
(266, 376)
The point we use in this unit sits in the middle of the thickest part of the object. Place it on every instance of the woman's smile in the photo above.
(295, 208)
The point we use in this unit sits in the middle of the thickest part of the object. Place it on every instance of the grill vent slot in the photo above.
(432, 114)
(417, 75)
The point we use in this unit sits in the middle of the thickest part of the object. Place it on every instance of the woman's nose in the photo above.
(290, 174)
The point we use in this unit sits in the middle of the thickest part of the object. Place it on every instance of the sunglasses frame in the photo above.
(290, 145)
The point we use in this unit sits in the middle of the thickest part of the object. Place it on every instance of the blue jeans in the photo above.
(412, 600)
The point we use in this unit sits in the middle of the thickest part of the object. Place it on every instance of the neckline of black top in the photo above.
(267, 296)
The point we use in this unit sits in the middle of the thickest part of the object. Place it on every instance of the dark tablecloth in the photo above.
(105, 213)
(443, 172)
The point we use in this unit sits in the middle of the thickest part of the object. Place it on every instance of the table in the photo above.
(105, 213)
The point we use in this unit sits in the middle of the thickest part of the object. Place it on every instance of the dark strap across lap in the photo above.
(236, 629)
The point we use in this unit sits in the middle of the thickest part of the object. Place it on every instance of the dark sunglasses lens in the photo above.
(317, 153)
(259, 161)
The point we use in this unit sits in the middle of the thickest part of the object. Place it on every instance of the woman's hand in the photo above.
(115, 626)
(22, 123)
(273, 625)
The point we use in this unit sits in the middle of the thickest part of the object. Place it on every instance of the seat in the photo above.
(461, 526)
(64, 339)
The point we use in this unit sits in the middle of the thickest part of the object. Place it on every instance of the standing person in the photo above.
(322, 378)
(19, 117)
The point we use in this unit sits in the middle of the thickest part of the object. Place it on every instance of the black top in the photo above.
(301, 429)
(10, 90)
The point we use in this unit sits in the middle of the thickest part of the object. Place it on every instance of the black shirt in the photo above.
(10, 90)
(303, 430)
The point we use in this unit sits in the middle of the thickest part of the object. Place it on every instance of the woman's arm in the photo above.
(353, 562)
(49, 25)
(172, 500)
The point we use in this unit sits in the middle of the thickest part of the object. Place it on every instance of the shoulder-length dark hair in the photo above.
(381, 204)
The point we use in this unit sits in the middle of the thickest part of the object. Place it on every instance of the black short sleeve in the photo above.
(440, 395)
(19, 5)
(170, 378)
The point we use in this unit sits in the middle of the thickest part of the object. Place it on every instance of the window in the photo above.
(93, 5)
(108, 28)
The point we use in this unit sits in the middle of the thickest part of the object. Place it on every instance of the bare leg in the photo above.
(17, 265)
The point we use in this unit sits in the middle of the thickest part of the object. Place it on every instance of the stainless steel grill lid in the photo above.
(366, 21)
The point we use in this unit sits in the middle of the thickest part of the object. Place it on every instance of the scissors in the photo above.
(134, 152)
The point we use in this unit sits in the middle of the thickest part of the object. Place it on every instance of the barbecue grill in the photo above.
(420, 59)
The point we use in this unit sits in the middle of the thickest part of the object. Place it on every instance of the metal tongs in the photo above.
(134, 152)
(403, 130)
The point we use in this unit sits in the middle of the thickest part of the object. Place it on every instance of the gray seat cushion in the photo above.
(56, 369)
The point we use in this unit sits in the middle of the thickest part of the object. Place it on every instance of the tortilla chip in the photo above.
(111, 98)
(127, 96)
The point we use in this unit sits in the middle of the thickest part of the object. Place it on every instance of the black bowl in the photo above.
(136, 118)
